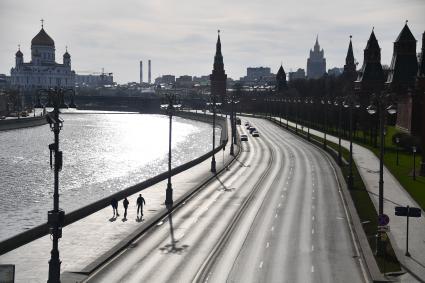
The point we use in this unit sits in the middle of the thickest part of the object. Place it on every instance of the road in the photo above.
(275, 216)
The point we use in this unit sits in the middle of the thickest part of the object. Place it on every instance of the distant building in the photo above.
(141, 72)
(42, 71)
(297, 75)
(165, 79)
(4, 81)
(316, 63)
(184, 81)
(202, 80)
(94, 80)
(335, 72)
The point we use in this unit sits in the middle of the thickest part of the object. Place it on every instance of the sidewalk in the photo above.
(394, 195)
(87, 240)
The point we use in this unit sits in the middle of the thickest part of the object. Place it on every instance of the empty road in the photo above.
(275, 216)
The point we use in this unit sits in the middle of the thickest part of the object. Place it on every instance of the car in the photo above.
(255, 134)
(252, 129)
(246, 124)
(244, 138)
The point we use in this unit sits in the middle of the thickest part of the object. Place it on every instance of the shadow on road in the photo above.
(172, 247)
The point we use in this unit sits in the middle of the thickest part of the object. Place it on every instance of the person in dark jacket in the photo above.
(114, 204)
(125, 204)
(140, 203)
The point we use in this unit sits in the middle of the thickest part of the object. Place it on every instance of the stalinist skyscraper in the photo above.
(316, 64)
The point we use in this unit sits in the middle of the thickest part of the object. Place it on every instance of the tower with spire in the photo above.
(281, 83)
(402, 78)
(218, 77)
(350, 74)
(316, 63)
(371, 77)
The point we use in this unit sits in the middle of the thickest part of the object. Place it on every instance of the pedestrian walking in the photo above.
(114, 204)
(125, 204)
(140, 203)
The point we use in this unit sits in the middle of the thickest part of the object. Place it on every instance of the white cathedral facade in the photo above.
(42, 71)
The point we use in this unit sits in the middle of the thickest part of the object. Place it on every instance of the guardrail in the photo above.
(43, 229)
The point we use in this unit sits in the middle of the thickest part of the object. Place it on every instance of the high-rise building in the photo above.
(316, 63)
(141, 72)
(149, 72)
(218, 77)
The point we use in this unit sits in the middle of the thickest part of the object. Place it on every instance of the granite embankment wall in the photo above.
(43, 229)
(11, 124)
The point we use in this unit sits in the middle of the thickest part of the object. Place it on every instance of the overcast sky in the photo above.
(179, 36)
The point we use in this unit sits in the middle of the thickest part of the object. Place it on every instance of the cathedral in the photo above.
(316, 64)
(42, 71)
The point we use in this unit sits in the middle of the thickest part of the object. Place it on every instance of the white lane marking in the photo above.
(312, 231)
(267, 245)
(272, 228)
(312, 206)
(313, 191)
(279, 205)
(312, 248)
(281, 196)
(275, 215)
(261, 265)
(312, 218)
(312, 268)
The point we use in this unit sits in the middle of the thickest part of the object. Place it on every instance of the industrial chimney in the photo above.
(141, 72)
(149, 72)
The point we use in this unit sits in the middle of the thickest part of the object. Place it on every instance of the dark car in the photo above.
(252, 129)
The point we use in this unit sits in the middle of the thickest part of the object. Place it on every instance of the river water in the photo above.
(103, 152)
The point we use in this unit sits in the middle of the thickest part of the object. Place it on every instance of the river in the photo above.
(103, 152)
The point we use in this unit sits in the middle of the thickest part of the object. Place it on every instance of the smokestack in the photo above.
(141, 72)
(149, 71)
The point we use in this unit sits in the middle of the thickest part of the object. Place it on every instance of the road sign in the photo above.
(408, 211)
(383, 220)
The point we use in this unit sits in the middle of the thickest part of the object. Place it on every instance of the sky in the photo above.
(179, 36)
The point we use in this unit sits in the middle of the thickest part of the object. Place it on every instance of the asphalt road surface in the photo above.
(275, 216)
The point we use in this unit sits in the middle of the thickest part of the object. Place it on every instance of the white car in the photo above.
(244, 138)
(255, 134)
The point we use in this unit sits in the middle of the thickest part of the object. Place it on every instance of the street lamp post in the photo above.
(350, 103)
(338, 103)
(414, 162)
(324, 102)
(213, 163)
(397, 141)
(170, 107)
(55, 217)
(296, 114)
(381, 105)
